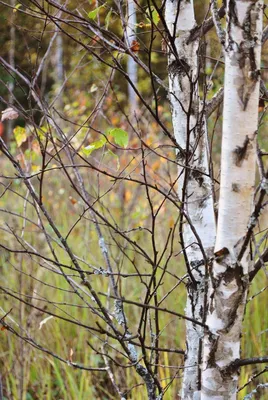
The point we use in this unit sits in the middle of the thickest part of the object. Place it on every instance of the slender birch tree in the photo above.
(132, 67)
(229, 276)
(195, 185)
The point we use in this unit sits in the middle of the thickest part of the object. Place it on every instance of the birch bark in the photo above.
(195, 188)
(11, 84)
(132, 68)
(229, 277)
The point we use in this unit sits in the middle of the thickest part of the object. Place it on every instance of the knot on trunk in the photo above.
(179, 67)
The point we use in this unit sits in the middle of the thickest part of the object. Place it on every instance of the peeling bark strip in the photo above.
(195, 189)
(228, 284)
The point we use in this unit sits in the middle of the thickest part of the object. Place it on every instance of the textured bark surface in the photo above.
(229, 277)
(195, 189)
(132, 67)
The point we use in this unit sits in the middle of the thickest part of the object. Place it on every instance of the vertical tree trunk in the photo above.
(131, 63)
(11, 84)
(59, 68)
(229, 277)
(195, 189)
(59, 78)
(59, 59)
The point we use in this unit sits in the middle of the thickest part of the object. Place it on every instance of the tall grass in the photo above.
(30, 374)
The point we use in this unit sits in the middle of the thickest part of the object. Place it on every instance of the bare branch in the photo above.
(265, 35)
(217, 22)
(216, 100)
(206, 26)
(157, 308)
(258, 265)
(247, 361)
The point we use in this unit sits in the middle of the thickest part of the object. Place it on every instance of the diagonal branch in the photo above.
(264, 35)
(217, 22)
(238, 363)
(258, 265)
(216, 100)
(205, 27)
(194, 321)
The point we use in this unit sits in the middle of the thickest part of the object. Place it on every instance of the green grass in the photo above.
(46, 378)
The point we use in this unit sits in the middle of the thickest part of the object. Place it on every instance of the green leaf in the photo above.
(93, 88)
(107, 19)
(154, 16)
(93, 14)
(17, 6)
(94, 146)
(120, 136)
(20, 135)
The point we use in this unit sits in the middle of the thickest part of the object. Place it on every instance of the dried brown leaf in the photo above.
(9, 113)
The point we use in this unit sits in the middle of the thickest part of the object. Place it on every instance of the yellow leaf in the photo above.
(20, 135)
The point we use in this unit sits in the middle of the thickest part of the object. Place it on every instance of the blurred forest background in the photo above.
(87, 99)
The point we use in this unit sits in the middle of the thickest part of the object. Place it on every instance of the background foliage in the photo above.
(105, 154)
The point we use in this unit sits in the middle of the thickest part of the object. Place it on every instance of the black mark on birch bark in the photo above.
(249, 73)
(211, 362)
(241, 152)
(227, 308)
(233, 19)
(179, 67)
(236, 187)
(244, 54)
(192, 293)
(198, 176)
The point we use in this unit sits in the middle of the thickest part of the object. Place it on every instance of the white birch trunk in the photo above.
(132, 69)
(11, 84)
(195, 188)
(229, 282)
(59, 59)
(59, 78)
